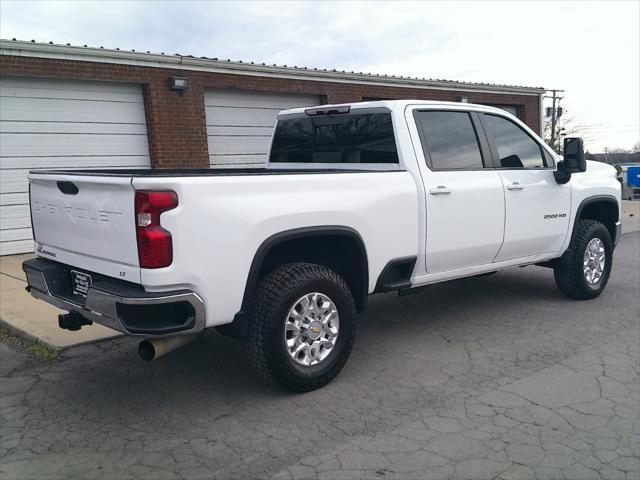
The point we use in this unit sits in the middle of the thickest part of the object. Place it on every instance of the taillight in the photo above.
(155, 249)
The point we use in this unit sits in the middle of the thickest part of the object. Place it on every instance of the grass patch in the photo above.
(36, 348)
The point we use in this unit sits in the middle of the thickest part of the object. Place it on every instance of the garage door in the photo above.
(62, 124)
(240, 124)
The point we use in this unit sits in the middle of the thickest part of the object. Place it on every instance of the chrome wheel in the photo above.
(594, 261)
(311, 329)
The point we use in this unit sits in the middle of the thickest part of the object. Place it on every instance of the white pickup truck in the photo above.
(355, 199)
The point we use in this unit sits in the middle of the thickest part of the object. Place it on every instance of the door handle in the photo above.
(515, 186)
(440, 190)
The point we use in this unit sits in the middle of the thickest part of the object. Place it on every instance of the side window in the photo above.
(516, 148)
(449, 140)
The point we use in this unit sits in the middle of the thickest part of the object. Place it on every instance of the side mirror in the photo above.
(574, 161)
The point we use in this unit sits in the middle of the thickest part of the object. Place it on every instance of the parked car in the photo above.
(355, 199)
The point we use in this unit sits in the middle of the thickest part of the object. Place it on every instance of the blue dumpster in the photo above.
(633, 176)
(632, 188)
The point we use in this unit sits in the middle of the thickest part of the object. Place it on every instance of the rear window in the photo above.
(352, 138)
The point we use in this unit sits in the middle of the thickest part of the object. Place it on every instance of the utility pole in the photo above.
(554, 112)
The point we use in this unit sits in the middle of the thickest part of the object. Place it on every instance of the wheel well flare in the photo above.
(604, 211)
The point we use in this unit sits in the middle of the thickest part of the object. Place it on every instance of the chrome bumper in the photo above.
(105, 300)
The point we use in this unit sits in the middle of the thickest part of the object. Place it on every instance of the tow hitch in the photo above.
(72, 321)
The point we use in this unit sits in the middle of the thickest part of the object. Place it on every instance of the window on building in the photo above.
(516, 149)
(449, 140)
(351, 138)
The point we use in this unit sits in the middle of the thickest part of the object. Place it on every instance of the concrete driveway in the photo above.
(496, 377)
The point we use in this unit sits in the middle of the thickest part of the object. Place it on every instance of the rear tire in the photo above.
(583, 272)
(281, 326)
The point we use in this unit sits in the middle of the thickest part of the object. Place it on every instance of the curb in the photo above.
(23, 335)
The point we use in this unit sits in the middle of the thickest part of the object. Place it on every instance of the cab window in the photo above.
(351, 138)
(449, 140)
(516, 149)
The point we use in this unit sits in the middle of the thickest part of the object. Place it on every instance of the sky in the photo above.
(591, 50)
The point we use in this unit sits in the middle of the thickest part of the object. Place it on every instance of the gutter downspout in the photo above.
(542, 116)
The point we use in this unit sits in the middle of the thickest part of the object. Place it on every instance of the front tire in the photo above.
(583, 272)
(302, 326)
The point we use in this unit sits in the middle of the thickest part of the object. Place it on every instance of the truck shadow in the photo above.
(214, 367)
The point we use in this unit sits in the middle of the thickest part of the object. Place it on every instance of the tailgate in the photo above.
(86, 221)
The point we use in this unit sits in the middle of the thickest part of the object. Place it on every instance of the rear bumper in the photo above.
(119, 305)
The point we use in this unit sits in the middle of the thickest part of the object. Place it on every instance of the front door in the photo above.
(465, 200)
(537, 207)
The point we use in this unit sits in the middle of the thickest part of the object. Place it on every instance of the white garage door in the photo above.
(240, 124)
(62, 124)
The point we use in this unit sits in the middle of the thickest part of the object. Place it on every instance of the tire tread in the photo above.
(273, 290)
(568, 273)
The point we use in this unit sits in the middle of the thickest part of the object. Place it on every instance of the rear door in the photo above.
(465, 200)
(537, 207)
(87, 222)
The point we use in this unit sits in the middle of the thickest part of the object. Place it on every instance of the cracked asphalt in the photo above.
(494, 377)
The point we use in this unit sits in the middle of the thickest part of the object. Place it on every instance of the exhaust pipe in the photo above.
(153, 348)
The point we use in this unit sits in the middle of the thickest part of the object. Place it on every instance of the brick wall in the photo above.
(176, 121)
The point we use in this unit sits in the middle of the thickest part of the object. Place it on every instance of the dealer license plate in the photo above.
(80, 282)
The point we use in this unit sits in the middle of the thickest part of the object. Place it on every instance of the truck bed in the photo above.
(200, 172)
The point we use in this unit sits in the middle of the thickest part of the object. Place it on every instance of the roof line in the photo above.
(189, 62)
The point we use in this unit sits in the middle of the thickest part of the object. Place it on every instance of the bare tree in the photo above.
(568, 125)
(560, 122)
(618, 155)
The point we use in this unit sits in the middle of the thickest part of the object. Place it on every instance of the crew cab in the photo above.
(355, 199)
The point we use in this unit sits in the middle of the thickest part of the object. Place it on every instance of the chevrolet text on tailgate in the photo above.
(355, 199)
